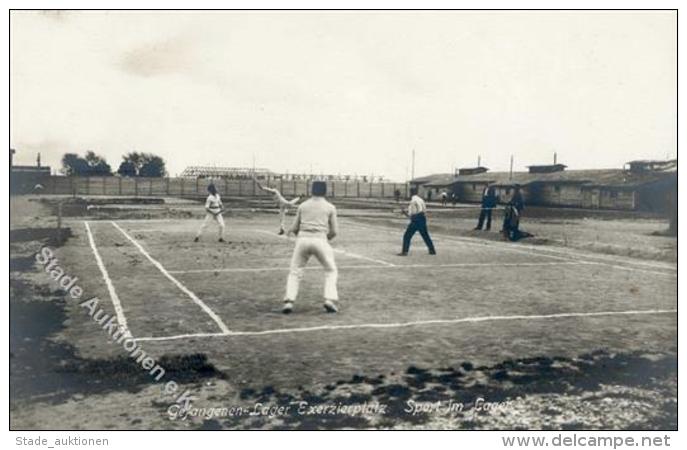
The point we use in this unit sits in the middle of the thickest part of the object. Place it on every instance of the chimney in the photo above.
(555, 158)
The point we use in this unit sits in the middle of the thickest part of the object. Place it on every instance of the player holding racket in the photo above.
(315, 225)
(213, 208)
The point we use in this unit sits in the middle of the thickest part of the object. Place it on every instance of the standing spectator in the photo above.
(517, 200)
(444, 198)
(488, 204)
(418, 222)
(397, 195)
(512, 215)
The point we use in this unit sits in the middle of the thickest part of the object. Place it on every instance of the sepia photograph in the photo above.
(343, 220)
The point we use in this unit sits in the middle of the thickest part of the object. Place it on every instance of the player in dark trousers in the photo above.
(418, 222)
(488, 204)
(512, 215)
(517, 200)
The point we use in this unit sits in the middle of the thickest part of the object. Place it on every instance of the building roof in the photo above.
(31, 169)
(211, 171)
(547, 168)
(596, 177)
(434, 179)
(653, 165)
(472, 170)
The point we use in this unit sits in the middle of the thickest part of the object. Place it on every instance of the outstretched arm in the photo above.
(267, 189)
(264, 188)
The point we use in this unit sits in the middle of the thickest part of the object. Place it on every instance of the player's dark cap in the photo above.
(413, 191)
(211, 188)
(319, 188)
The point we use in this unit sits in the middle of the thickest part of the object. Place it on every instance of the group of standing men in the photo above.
(315, 225)
(489, 201)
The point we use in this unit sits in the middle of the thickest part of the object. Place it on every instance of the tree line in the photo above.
(134, 164)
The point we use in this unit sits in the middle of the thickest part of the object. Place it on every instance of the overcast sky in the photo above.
(345, 92)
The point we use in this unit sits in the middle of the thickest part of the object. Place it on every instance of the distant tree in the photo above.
(73, 164)
(143, 164)
(153, 167)
(134, 158)
(127, 169)
(98, 166)
(91, 164)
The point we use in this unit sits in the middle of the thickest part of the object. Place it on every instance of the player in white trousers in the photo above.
(315, 225)
(213, 208)
(284, 204)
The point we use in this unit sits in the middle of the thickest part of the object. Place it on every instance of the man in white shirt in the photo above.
(284, 204)
(418, 222)
(213, 211)
(315, 225)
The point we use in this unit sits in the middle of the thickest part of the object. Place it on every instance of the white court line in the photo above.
(538, 251)
(355, 255)
(397, 266)
(473, 242)
(176, 282)
(158, 230)
(413, 324)
(633, 269)
(338, 250)
(121, 319)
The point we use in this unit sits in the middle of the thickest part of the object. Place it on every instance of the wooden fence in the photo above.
(192, 187)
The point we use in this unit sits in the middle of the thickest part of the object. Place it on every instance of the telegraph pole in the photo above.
(412, 166)
(511, 168)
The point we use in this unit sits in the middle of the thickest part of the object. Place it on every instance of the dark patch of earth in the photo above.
(464, 383)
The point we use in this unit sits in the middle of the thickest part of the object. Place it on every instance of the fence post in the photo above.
(382, 183)
(104, 185)
(370, 195)
(59, 221)
(197, 185)
(357, 188)
(167, 185)
(240, 188)
(136, 186)
(150, 187)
